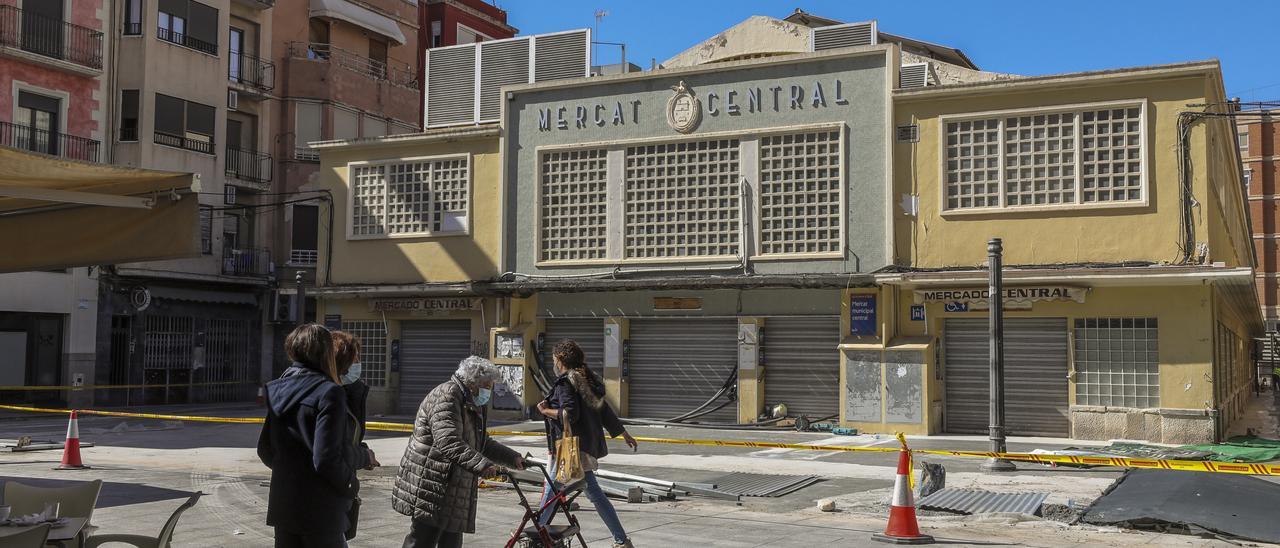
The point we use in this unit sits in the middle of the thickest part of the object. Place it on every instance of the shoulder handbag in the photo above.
(353, 513)
(568, 457)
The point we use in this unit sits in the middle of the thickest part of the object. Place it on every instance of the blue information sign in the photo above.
(862, 315)
(917, 313)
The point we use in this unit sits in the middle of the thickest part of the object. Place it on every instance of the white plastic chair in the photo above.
(143, 541)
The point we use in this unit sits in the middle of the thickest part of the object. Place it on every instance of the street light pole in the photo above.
(995, 252)
(300, 307)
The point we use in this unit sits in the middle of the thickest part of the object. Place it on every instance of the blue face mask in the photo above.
(353, 374)
(482, 399)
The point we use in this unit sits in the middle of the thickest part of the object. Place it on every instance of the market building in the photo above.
(694, 227)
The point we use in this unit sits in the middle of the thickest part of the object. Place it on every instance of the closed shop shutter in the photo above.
(677, 364)
(802, 365)
(1035, 366)
(429, 354)
(589, 334)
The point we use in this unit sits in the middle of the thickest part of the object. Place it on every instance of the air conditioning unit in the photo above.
(229, 195)
(864, 33)
(914, 75)
(233, 99)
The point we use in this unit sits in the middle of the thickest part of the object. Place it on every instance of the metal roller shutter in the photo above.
(429, 354)
(802, 366)
(588, 332)
(677, 364)
(1035, 365)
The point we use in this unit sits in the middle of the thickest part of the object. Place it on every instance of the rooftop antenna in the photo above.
(600, 15)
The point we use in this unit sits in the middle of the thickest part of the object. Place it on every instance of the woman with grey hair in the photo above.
(447, 455)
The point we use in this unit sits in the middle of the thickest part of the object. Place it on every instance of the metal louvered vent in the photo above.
(913, 75)
(451, 85)
(501, 64)
(560, 56)
(843, 36)
(455, 95)
(908, 134)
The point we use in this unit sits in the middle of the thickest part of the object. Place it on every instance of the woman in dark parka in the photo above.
(309, 441)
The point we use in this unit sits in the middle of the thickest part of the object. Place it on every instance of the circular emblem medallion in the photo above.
(684, 110)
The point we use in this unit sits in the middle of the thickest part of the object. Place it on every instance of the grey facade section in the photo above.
(860, 106)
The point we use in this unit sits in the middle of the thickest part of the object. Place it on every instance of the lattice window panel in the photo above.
(1111, 155)
(368, 195)
(1117, 362)
(450, 183)
(416, 197)
(800, 184)
(1040, 159)
(574, 225)
(973, 165)
(682, 200)
(408, 196)
(373, 349)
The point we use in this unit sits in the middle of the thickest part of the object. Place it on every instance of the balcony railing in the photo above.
(251, 71)
(303, 257)
(246, 262)
(249, 165)
(187, 40)
(47, 142)
(50, 37)
(197, 144)
(397, 74)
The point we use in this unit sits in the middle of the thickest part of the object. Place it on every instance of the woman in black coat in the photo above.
(346, 356)
(310, 443)
(577, 398)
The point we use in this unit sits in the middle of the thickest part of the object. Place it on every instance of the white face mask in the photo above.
(353, 374)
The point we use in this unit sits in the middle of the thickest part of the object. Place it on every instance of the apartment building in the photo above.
(1257, 130)
(54, 58)
(192, 92)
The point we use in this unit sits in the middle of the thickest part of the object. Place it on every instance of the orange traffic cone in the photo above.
(71, 450)
(902, 528)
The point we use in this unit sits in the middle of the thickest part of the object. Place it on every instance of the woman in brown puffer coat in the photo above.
(447, 455)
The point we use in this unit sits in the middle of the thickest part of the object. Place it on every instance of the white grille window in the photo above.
(427, 196)
(682, 200)
(800, 184)
(973, 165)
(373, 350)
(1117, 362)
(1111, 150)
(1085, 156)
(1040, 159)
(573, 203)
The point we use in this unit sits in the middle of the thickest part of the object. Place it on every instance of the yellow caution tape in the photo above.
(1122, 462)
(117, 386)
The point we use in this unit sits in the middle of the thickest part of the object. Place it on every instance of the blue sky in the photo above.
(1028, 37)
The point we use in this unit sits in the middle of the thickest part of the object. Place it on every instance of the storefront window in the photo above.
(1117, 362)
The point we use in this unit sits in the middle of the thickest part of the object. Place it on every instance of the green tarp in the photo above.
(1241, 449)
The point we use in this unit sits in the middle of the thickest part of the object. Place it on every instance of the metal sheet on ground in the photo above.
(761, 485)
(1238, 506)
(977, 501)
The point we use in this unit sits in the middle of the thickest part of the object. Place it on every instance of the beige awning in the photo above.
(57, 213)
(359, 16)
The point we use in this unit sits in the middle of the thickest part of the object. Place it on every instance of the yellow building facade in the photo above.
(1129, 307)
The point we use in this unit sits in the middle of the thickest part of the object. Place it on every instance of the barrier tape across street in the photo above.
(1122, 462)
(117, 386)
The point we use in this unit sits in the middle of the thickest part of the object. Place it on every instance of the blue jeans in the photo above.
(603, 505)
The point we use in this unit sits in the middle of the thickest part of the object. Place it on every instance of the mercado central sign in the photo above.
(685, 108)
(1009, 294)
